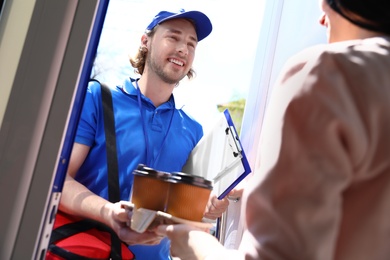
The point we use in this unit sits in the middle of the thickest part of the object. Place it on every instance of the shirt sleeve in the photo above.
(87, 126)
(312, 138)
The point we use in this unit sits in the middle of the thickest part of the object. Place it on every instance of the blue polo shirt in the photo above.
(181, 137)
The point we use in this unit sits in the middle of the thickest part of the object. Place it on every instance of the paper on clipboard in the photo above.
(219, 156)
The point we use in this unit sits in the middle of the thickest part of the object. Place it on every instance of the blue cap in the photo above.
(203, 26)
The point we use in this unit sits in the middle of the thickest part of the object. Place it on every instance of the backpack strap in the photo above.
(65, 254)
(109, 129)
(112, 161)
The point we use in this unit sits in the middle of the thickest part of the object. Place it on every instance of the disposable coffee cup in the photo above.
(188, 196)
(150, 188)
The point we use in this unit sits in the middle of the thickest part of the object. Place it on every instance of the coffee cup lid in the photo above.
(143, 170)
(181, 177)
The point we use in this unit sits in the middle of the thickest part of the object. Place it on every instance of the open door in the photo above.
(47, 50)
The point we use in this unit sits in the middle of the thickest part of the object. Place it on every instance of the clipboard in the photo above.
(219, 156)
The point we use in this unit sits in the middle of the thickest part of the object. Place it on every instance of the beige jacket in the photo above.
(323, 183)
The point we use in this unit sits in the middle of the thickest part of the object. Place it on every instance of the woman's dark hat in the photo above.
(202, 23)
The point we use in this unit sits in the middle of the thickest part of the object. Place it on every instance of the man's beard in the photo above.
(156, 68)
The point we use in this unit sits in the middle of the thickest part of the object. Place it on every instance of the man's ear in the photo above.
(144, 40)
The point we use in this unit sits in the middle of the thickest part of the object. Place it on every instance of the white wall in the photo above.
(287, 27)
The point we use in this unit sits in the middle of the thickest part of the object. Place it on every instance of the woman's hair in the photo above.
(372, 15)
(139, 60)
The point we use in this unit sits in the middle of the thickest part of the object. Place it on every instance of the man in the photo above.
(149, 130)
(322, 188)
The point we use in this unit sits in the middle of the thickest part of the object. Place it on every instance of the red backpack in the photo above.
(74, 238)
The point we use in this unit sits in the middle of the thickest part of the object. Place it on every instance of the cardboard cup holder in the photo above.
(146, 219)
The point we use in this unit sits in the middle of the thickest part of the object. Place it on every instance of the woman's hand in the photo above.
(188, 242)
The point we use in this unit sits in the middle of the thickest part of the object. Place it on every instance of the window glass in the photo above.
(223, 62)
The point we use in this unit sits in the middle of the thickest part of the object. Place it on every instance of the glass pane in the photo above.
(223, 62)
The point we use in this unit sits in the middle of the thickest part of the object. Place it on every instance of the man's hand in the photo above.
(119, 219)
(215, 207)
